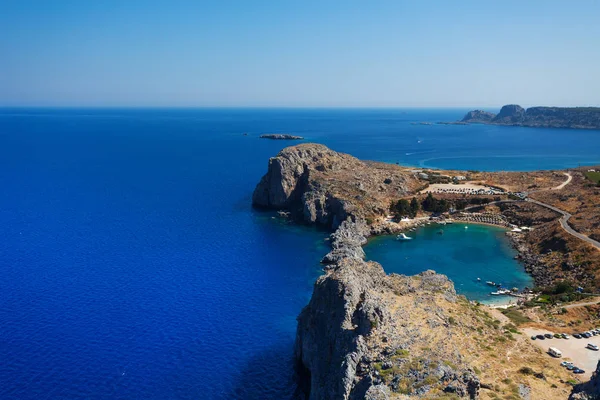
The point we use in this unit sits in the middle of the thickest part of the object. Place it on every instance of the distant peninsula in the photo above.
(539, 117)
(280, 136)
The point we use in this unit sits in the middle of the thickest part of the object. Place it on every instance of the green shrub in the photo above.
(526, 371)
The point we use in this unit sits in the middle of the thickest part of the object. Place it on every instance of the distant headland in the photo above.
(540, 117)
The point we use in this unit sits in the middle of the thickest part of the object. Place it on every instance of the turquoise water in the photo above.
(463, 252)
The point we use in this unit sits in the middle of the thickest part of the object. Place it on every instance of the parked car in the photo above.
(592, 346)
(548, 335)
(578, 371)
(566, 363)
(577, 336)
(565, 336)
(533, 337)
(558, 336)
(571, 367)
(587, 335)
(594, 332)
(541, 337)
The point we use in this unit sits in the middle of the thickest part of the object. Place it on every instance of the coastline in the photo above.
(490, 301)
(361, 324)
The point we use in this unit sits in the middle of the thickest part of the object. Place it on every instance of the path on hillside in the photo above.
(591, 303)
(565, 183)
(564, 219)
(564, 222)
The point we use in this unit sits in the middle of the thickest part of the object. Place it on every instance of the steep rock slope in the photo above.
(478, 116)
(319, 185)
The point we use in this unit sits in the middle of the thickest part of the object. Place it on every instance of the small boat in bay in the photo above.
(402, 236)
(490, 283)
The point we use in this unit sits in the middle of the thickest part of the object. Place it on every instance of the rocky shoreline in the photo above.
(530, 260)
(540, 117)
(366, 334)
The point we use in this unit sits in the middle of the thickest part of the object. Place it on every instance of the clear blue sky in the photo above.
(299, 53)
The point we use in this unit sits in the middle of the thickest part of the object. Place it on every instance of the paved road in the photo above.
(564, 219)
(564, 222)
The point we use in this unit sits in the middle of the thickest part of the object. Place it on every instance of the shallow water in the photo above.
(133, 266)
(460, 251)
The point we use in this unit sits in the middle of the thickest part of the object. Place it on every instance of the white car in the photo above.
(565, 336)
(592, 347)
(565, 363)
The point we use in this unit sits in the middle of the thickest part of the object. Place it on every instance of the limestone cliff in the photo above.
(319, 185)
(478, 116)
(363, 331)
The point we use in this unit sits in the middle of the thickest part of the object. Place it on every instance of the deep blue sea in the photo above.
(133, 267)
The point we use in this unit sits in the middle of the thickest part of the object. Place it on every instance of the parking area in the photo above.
(572, 349)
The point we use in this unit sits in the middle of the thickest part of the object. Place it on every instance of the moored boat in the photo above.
(402, 236)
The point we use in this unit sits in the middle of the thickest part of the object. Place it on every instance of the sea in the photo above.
(133, 266)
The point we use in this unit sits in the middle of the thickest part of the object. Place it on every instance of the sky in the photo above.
(256, 53)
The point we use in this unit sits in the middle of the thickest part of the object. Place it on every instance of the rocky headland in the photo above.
(369, 335)
(541, 117)
(280, 136)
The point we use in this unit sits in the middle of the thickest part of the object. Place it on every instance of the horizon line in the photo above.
(216, 107)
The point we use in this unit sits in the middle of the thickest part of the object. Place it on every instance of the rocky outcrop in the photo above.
(478, 116)
(280, 136)
(543, 117)
(347, 241)
(320, 186)
(510, 114)
(359, 336)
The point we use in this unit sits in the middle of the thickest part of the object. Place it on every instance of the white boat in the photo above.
(500, 292)
(402, 236)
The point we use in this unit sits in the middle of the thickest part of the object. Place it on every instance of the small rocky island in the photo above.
(280, 136)
(540, 117)
(369, 335)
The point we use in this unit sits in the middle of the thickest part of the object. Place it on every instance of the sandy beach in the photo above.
(465, 188)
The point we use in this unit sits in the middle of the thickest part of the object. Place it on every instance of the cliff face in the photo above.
(548, 117)
(478, 116)
(510, 114)
(321, 186)
(362, 333)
